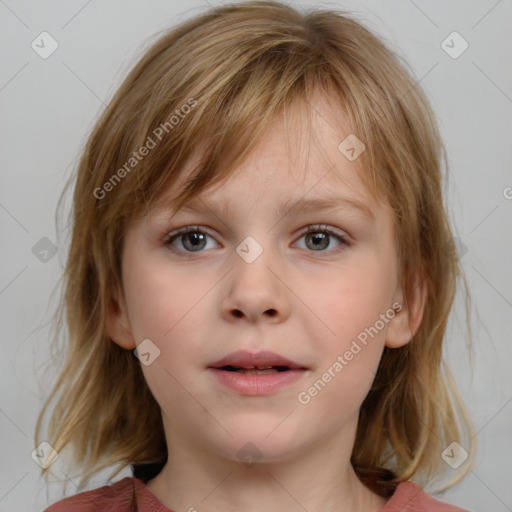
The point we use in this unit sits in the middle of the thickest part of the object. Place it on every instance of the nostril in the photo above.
(270, 312)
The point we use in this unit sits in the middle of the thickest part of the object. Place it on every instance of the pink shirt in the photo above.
(131, 495)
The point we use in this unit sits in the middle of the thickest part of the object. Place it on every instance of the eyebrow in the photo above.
(303, 205)
(291, 206)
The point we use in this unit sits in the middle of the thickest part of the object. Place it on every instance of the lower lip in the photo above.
(256, 385)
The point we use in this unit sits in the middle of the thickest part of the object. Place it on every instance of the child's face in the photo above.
(309, 306)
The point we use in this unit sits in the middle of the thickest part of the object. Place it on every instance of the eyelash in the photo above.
(312, 228)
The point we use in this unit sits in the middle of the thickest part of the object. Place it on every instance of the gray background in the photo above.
(48, 107)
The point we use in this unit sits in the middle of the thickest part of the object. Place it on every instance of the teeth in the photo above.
(257, 371)
(255, 368)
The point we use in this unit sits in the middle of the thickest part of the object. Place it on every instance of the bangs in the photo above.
(213, 107)
(224, 126)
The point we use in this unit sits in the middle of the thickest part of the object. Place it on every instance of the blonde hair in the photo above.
(238, 66)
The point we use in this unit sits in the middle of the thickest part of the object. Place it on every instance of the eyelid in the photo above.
(185, 229)
(327, 228)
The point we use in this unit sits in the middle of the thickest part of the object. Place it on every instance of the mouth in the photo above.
(260, 373)
(264, 370)
(255, 363)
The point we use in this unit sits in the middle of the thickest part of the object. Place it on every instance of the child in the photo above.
(293, 361)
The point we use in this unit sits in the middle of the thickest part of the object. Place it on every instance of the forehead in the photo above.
(301, 155)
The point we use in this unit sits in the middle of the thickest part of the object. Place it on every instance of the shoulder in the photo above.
(410, 497)
(118, 497)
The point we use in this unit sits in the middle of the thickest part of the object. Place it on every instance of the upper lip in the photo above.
(249, 360)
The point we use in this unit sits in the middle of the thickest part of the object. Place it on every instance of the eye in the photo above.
(191, 239)
(318, 238)
(194, 239)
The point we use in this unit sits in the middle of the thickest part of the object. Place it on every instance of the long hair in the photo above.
(210, 87)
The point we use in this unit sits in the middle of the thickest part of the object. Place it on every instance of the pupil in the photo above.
(320, 240)
(195, 239)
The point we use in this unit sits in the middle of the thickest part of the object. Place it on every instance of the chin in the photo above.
(258, 442)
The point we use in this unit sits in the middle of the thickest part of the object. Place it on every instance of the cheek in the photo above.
(352, 305)
(165, 307)
(352, 345)
(162, 297)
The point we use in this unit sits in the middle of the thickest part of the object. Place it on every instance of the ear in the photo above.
(118, 325)
(408, 315)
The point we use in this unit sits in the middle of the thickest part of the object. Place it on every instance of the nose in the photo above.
(256, 291)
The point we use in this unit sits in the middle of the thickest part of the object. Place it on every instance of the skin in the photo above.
(199, 308)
